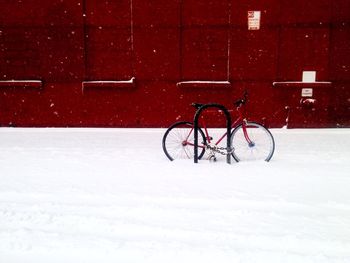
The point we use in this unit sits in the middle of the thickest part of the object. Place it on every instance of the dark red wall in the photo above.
(154, 46)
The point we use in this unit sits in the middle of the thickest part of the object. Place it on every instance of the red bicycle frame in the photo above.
(239, 120)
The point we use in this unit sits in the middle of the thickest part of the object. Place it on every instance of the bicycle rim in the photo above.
(178, 141)
(261, 147)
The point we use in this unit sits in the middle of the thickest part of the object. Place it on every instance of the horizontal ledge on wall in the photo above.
(113, 84)
(203, 84)
(21, 83)
(301, 84)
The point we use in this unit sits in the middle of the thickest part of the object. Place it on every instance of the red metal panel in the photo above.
(303, 49)
(108, 40)
(40, 13)
(162, 43)
(156, 54)
(340, 51)
(305, 12)
(205, 40)
(62, 53)
(108, 13)
(205, 13)
(340, 12)
(205, 54)
(340, 63)
(108, 53)
(339, 111)
(20, 53)
(254, 54)
(156, 13)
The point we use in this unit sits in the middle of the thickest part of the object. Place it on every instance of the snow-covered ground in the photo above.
(110, 195)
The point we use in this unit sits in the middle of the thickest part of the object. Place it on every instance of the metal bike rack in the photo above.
(228, 126)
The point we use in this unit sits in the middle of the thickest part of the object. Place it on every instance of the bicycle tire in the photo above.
(174, 141)
(262, 147)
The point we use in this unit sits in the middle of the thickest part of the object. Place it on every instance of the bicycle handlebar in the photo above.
(243, 101)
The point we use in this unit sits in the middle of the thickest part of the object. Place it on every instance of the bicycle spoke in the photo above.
(178, 141)
(260, 148)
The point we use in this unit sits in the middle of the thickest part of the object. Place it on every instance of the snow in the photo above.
(300, 82)
(109, 83)
(110, 195)
(130, 81)
(205, 82)
(22, 82)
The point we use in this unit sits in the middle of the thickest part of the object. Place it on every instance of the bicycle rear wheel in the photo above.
(178, 141)
(260, 147)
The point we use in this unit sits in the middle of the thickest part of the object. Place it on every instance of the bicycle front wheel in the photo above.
(178, 141)
(254, 142)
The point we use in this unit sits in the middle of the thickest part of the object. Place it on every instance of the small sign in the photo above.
(307, 92)
(254, 20)
(309, 76)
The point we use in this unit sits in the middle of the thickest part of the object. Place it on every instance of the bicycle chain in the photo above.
(221, 150)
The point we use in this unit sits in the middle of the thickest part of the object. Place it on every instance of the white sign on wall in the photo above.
(254, 20)
(309, 76)
(306, 92)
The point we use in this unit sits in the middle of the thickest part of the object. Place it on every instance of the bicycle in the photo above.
(249, 140)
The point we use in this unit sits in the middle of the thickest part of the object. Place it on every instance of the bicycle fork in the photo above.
(246, 136)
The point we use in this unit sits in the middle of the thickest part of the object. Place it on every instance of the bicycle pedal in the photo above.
(212, 158)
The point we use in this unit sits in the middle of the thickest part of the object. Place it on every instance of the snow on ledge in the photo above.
(21, 83)
(203, 84)
(323, 84)
(108, 84)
